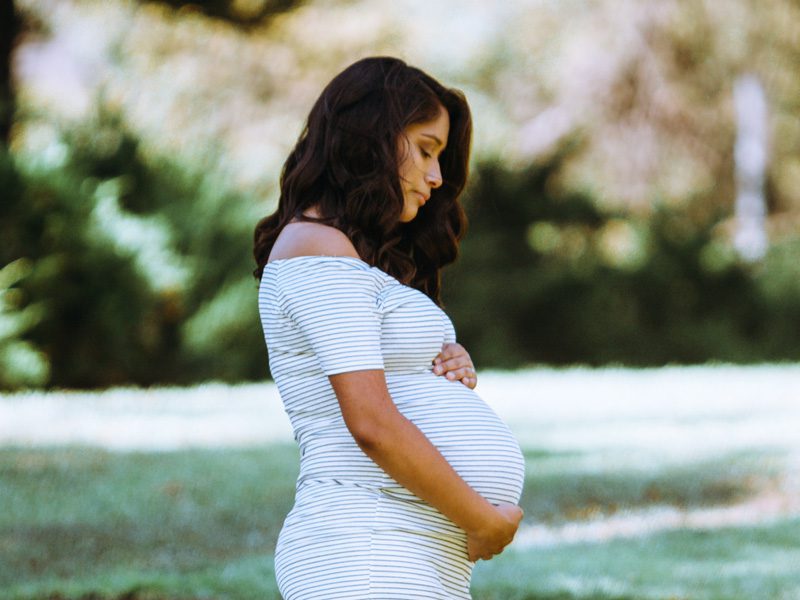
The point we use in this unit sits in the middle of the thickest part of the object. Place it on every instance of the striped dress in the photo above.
(354, 532)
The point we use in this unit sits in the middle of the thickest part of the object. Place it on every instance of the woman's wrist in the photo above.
(484, 518)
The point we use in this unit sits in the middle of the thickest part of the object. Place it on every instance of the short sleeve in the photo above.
(333, 301)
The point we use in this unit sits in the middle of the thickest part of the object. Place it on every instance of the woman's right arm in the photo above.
(398, 446)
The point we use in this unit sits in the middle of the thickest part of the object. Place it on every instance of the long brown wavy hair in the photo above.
(346, 164)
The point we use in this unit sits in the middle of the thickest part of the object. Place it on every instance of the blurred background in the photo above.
(629, 287)
(635, 190)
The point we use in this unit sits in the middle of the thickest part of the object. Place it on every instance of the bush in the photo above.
(124, 270)
(548, 277)
(124, 255)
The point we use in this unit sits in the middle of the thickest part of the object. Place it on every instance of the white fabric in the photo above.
(353, 531)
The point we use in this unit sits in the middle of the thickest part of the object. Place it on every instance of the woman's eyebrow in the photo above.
(434, 138)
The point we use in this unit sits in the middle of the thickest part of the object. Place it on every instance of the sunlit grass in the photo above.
(665, 485)
(733, 563)
(203, 523)
(87, 519)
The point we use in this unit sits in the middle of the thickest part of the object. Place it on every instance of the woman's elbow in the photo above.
(373, 430)
(367, 433)
(367, 408)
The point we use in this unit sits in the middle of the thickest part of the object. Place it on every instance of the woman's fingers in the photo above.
(452, 350)
(490, 541)
(455, 363)
(454, 372)
(464, 374)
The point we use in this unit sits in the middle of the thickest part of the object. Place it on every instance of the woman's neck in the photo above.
(310, 213)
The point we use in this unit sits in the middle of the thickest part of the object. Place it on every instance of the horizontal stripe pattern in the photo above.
(353, 531)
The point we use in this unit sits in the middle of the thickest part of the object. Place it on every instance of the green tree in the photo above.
(546, 277)
(21, 363)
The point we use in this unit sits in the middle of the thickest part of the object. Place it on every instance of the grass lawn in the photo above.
(744, 563)
(663, 484)
(79, 522)
(81, 519)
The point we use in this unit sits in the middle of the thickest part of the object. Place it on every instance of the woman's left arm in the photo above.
(455, 363)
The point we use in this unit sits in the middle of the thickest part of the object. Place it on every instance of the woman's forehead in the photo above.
(436, 129)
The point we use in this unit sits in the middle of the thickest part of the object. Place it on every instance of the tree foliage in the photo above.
(129, 260)
(241, 14)
(600, 205)
(139, 272)
(547, 277)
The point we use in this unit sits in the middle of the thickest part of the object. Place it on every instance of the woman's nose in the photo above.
(434, 177)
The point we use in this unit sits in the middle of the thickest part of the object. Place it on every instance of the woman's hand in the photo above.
(495, 535)
(454, 363)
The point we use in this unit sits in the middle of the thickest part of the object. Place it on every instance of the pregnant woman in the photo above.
(406, 476)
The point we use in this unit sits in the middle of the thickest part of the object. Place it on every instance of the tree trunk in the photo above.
(9, 30)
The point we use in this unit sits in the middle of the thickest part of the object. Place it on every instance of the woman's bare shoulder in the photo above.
(311, 239)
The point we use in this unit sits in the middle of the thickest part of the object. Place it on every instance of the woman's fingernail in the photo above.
(451, 375)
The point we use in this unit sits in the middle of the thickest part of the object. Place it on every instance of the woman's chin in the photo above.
(408, 216)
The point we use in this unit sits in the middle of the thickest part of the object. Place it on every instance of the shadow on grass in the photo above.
(132, 595)
(517, 595)
(557, 495)
(190, 522)
(497, 595)
(72, 511)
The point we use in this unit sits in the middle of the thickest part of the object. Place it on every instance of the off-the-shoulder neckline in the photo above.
(354, 258)
(305, 256)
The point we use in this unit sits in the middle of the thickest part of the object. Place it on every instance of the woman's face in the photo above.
(420, 173)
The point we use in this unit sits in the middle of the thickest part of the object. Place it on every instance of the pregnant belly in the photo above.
(467, 432)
